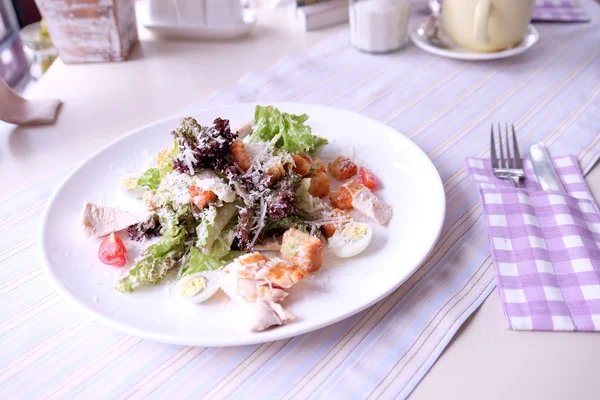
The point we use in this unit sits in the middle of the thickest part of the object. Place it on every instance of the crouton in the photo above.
(342, 168)
(160, 156)
(201, 197)
(319, 184)
(341, 198)
(328, 230)
(147, 197)
(301, 166)
(302, 249)
(307, 157)
(238, 151)
(317, 165)
(275, 173)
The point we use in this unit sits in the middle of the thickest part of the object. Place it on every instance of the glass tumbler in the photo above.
(378, 26)
(13, 62)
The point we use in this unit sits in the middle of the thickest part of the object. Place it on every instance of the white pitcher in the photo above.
(486, 25)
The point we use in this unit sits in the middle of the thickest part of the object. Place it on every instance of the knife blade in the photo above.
(544, 169)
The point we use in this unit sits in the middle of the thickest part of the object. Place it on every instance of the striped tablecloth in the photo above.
(552, 93)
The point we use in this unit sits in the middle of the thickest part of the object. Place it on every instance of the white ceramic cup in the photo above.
(486, 25)
(211, 13)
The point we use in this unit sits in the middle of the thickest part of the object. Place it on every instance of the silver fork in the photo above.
(511, 166)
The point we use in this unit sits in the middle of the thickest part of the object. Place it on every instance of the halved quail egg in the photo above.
(198, 287)
(352, 240)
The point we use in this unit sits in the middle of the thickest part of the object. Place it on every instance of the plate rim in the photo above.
(472, 56)
(259, 337)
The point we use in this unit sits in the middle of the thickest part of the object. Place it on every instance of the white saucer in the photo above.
(454, 51)
(202, 32)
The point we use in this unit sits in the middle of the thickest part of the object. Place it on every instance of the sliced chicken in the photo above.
(281, 274)
(245, 129)
(267, 311)
(268, 314)
(254, 278)
(246, 277)
(100, 221)
(367, 203)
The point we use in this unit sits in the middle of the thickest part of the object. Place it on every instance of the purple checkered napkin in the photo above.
(545, 247)
(559, 11)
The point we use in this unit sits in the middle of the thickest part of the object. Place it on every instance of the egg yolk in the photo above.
(194, 286)
(354, 232)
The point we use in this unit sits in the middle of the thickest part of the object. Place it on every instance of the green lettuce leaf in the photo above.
(152, 177)
(222, 245)
(290, 130)
(275, 227)
(220, 255)
(212, 222)
(164, 255)
(156, 261)
(200, 262)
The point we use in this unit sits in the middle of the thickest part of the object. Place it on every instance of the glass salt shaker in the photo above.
(379, 26)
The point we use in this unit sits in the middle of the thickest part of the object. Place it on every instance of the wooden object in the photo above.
(91, 30)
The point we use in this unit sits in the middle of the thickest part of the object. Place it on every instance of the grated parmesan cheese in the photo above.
(260, 221)
(188, 158)
(209, 180)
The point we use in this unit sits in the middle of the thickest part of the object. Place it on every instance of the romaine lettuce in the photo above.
(220, 255)
(150, 179)
(162, 256)
(212, 222)
(156, 261)
(200, 262)
(290, 130)
(275, 227)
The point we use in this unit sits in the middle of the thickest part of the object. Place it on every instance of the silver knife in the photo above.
(544, 169)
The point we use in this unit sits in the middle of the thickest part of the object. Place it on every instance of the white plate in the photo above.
(410, 183)
(460, 53)
(202, 32)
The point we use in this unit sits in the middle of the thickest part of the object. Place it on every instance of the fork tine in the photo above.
(516, 153)
(493, 148)
(509, 159)
(502, 165)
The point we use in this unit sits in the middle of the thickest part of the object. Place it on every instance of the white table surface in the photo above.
(103, 101)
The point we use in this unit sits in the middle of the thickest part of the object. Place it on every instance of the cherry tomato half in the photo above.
(368, 179)
(112, 251)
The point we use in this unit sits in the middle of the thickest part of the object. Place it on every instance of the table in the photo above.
(485, 360)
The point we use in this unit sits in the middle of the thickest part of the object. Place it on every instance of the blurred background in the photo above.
(27, 50)
(18, 54)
